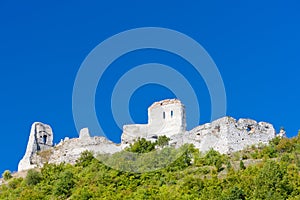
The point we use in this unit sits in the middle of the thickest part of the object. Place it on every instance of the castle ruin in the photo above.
(166, 117)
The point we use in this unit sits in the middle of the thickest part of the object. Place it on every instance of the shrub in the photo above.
(244, 157)
(254, 155)
(228, 165)
(242, 165)
(15, 183)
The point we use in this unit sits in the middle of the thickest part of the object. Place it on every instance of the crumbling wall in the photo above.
(228, 135)
(68, 150)
(133, 131)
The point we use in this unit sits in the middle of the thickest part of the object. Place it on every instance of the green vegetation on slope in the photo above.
(262, 172)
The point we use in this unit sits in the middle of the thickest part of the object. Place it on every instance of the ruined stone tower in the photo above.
(166, 117)
(40, 138)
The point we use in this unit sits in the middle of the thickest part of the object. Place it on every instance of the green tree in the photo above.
(33, 177)
(64, 185)
(285, 145)
(162, 141)
(141, 146)
(271, 182)
(236, 194)
(214, 158)
(185, 159)
(85, 159)
(82, 194)
(6, 175)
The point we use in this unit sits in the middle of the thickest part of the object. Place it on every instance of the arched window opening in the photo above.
(45, 139)
(249, 128)
(172, 113)
(164, 115)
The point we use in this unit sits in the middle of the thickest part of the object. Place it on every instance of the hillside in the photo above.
(258, 172)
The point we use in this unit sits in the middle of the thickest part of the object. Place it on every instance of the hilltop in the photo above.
(263, 172)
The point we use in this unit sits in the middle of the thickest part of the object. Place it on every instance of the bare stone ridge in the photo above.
(165, 117)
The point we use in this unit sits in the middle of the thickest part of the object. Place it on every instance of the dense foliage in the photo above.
(144, 146)
(261, 172)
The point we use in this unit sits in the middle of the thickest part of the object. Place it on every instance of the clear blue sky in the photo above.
(255, 45)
